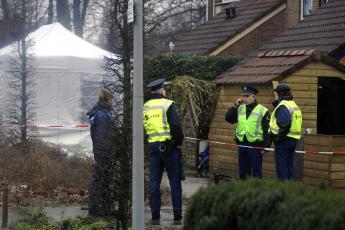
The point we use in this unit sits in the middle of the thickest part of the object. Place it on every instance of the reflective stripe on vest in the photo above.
(251, 127)
(296, 122)
(155, 120)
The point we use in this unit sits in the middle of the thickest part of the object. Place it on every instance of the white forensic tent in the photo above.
(67, 75)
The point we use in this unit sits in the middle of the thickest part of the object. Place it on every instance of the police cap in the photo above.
(156, 84)
(282, 88)
(248, 90)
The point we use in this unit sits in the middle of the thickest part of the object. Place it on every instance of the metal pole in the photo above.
(138, 214)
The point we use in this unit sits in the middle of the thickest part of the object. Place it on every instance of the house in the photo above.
(307, 57)
(237, 28)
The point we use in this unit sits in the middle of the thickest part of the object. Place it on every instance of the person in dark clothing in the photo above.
(252, 130)
(164, 133)
(285, 130)
(103, 131)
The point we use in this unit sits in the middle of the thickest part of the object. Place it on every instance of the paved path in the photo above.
(190, 186)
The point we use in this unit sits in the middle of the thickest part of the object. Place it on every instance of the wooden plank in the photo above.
(317, 157)
(337, 183)
(223, 105)
(337, 175)
(300, 78)
(226, 159)
(308, 109)
(323, 73)
(309, 116)
(317, 148)
(219, 171)
(316, 165)
(304, 94)
(268, 166)
(312, 139)
(338, 149)
(224, 151)
(306, 101)
(338, 167)
(315, 173)
(269, 174)
(227, 132)
(338, 159)
(338, 141)
(315, 181)
(303, 87)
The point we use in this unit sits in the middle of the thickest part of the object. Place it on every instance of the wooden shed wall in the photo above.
(304, 83)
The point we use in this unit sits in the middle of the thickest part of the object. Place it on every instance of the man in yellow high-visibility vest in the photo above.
(285, 130)
(252, 130)
(164, 133)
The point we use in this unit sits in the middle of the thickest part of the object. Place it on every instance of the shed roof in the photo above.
(323, 31)
(217, 31)
(269, 66)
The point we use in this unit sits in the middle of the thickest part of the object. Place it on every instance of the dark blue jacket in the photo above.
(283, 117)
(103, 127)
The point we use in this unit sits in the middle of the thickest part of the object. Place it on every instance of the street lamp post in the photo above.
(171, 46)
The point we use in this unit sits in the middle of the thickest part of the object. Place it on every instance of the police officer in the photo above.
(103, 132)
(252, 130)
(285, 130)
(165, 136)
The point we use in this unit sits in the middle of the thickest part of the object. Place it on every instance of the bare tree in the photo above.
(79, 14)
(119, 69)
(21, 69)
(50, 11)
(63, 13)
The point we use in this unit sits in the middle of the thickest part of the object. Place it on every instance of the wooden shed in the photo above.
(318, 85)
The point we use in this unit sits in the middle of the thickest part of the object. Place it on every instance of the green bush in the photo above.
(39, 221)
(201, 67)
(265, 204)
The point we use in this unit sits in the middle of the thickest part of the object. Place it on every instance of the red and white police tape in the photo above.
(79, 126)
(265, 149)
(84, 126)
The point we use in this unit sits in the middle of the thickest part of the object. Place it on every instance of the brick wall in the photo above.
(257, 37)
(293, 12)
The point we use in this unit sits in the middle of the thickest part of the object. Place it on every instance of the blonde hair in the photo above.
(106, 97)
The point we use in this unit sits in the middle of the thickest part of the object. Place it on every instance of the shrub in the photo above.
(39, 221)
(201, 67)
(265, 204)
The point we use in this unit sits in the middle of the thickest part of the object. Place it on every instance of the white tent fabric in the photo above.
(66, 78)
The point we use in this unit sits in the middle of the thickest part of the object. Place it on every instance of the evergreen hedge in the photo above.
(201, 67)
(265, 205)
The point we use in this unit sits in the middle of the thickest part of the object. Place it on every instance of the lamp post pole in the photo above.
(171, 47)
(138, 214)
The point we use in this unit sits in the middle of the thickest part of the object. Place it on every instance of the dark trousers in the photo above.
(249, 162)
(169, 160)
(284, 156)
(101, 202)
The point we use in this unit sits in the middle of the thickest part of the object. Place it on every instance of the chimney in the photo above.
(293, 12)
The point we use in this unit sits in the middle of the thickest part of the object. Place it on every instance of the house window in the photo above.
(307, 7)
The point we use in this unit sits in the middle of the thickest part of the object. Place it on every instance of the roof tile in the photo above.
(247, 12)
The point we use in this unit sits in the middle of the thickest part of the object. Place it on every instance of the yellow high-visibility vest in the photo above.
(155, 119)
(251, 127)
(296, 122)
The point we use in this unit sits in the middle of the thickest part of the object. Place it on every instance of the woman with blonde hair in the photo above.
(103, 133)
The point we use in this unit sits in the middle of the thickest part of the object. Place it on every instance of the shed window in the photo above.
(330, 106)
